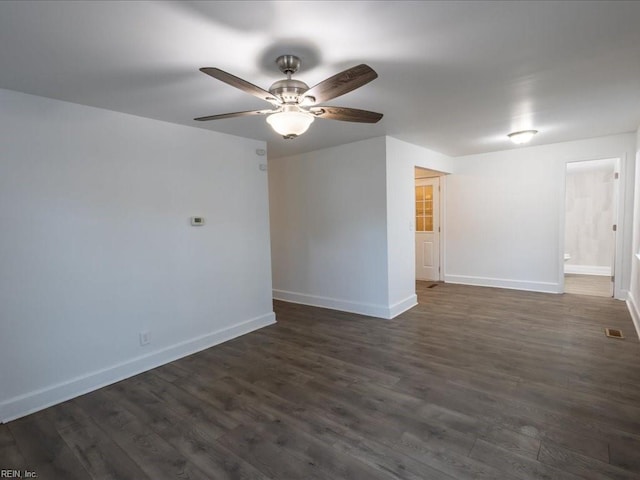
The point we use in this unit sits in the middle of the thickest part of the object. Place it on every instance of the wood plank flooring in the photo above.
(597, 285)
(473, 383)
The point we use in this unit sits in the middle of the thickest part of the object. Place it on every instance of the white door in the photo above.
(428, 229)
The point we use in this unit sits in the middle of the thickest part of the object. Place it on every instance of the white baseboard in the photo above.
(545, 287)
(621, 295)
(37, 400)
(587, 270)
(369, 309)
(402, 306)
(632, 305)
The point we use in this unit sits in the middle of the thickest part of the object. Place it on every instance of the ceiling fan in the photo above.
(295, 105)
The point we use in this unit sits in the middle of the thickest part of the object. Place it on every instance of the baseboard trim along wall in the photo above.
(587, 270)
(369, 309)
(632, 305)
(544, 287)
(403, 305)
(33, 401)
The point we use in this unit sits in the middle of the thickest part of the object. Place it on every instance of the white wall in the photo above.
(96, 246)
(401, 159)
(633, 300)
(503, 220)
(504, 212)
(341, 221)
(328, 227)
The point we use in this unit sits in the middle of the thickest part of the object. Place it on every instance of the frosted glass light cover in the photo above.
(522, 137)
(290, 123)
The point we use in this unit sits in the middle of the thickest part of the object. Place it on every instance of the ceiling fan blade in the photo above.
(346, 114)
(235, 114)
(341, 83)
(237, 82)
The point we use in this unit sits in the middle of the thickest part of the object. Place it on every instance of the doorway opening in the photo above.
(427, 224)
(590, 227)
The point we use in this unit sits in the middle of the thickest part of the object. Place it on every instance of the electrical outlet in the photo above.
(145, 338)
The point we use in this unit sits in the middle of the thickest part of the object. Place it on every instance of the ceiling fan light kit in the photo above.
(295, 104)
(523, 136)
(291, 122)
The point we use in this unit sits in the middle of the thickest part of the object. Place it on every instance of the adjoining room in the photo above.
(590, 226)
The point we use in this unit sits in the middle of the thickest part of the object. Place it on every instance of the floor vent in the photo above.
(613, 333)
(433, 285)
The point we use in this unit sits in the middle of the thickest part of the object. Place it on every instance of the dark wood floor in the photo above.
(472, 383)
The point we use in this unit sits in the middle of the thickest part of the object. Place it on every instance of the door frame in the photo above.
(443, 183)
(441, 212)
(619, 196)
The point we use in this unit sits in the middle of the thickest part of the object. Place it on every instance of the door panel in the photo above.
(427, 229)
(427, 252)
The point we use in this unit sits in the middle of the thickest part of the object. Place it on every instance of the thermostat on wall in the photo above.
(197, 221)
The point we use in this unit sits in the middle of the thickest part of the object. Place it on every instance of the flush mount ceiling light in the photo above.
(295, 105)
(522, 136)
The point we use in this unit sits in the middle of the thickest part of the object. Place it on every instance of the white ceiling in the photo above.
(455, 77)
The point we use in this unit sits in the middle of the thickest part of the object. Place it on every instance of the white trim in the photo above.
(620, 208)
(37, 400)
(369, 309)
(402, 306)
(632, 305)
(587, 270)
(443, 194)
(531, 286)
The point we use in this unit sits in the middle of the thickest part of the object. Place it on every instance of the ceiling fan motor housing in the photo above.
(288, 90)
